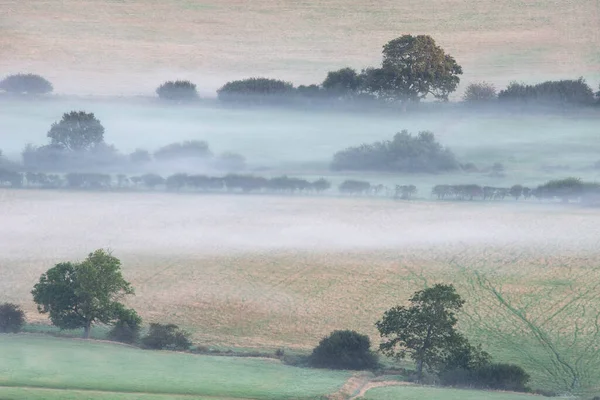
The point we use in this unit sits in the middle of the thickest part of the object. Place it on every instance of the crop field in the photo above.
(423, 393)
(30, 361)
(270, 272)
(128, 46)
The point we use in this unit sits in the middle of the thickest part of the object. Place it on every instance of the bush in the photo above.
(177, 90)
(12, 318)
(477, 93)
(25, 84)
(127, 327)
(490, 376)
(344, 350)
(190, 149)
(405, 153)
(557, 93)
(257, 90)
(343, 82)
(166, 337)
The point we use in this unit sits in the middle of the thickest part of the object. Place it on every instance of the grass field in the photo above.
(269, 272)
(51, 363)
(130, 46)
(424, 393)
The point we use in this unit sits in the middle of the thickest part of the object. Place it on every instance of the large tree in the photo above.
(425, 331)
(77, 131)
(25, 84)
(413, 67)
(77, 295)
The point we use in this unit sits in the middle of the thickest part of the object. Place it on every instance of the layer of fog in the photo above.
(41, 225)
(284, 138)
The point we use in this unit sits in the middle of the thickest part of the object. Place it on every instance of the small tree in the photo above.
(321, 185)
(77, 295)
(177, 90)
(478, 93)
(127, 326)
(140, 156)
(342, 82)
(12, 318)
(166, 337)
(344, 350)
(255, 89)
(425, 331)
(516, 191)
(77, 131)
(25, 84)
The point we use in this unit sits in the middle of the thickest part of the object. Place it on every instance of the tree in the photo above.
(25, 84)
(127, 326)
(321, 185)
(12, 318)
(140, 156)
(77, 295)
(188, 149)
(478, 93)
(255, 89)
(516, 191)
(342, 82)
(177, 90)
(344, 350)
(76, 131)
(167, 336)
(550, 93)
(413, 67)
(425, 331)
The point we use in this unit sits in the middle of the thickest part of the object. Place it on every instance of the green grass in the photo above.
(425, 393)
(10, 393)
(47, 362)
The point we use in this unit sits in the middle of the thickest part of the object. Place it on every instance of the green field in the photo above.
(425, 393)
(11, 393)
(43, 362)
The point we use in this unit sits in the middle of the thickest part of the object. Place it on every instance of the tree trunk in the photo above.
(419, 370)
(86, 329)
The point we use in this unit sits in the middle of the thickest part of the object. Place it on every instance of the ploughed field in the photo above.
(277, 271)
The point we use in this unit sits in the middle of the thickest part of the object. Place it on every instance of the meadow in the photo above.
(281, 272)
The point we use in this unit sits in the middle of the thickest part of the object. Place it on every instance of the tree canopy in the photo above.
(564, 92)
(77, 295)
(26, 84)
(413, 67)
(76, 131)
(177, 91)
(425, 331)
(344, 350)
(405, 152)
(342, 82)
(480, 92)
(255, 89)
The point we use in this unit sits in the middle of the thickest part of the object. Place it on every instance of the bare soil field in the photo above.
(130, 46)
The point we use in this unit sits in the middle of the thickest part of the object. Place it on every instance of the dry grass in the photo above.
(128, 46)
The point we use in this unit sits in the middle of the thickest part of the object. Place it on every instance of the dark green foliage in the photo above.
(127, 326)
(344, 350)
(413, 67)
(425, 331)
(341, 83)
(321, 185)
(10, 178)
(405, 153)
(12, 318)
(552, 93)
(516, 191)
(489, 376)
(190, 149)
(310, 91)
(256, 90)
(168, 337)
(177, 91)
(479, 93)
(77, 295)
(565, 189)
(25, 84)
(76, 131)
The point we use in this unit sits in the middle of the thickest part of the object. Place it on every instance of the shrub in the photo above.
(255, 90)
(12, 318)
(25, 84)
(190, 149)
(491, 376)
(166, 337)
(562, 93)
(344, 350)
(177, 90)
(406, 153)
(127, 326)
(481, 92)
(343, 82)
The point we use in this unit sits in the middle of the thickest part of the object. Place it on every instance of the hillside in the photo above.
(127, 46)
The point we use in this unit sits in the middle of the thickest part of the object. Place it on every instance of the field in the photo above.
(115, 47)
(51, 363)
(421, 393)
(269, 272)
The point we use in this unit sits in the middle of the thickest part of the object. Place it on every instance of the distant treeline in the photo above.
(565, 190)
(413, 68)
